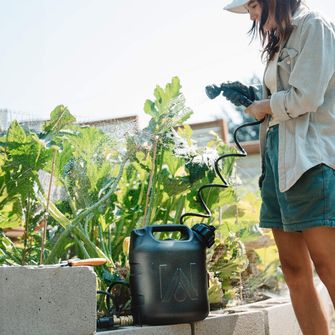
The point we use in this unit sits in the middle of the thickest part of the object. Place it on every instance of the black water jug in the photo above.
(168, 278)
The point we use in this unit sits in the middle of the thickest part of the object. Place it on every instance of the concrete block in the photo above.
(279, 317)
(278, 313)
(47, 300)
(233, 323)
(181, 329)
(251, 323)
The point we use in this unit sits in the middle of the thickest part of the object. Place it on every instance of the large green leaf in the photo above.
(59, 118)
(15, 133)
(23, 156)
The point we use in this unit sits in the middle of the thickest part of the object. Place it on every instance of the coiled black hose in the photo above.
(115, 310)
(212, 92)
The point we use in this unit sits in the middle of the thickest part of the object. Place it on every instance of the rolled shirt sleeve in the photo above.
(311, 73)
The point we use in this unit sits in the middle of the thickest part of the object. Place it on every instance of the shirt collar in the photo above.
(298, 14)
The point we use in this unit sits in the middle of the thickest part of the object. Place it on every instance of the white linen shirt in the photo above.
(304, 103)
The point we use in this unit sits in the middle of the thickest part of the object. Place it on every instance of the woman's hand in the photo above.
(259, 109)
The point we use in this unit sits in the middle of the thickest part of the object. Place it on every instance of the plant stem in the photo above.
(168, 209)
(103, 246)
(155, 197)
(65, 222)
(179, 209)
(45, 219)
(14, 255)
(146, 217)
(72, 224)
(82, 247)
(155, 186)
(26, 232)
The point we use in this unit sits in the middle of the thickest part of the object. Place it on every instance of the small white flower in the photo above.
(181, 146)
(207, 157)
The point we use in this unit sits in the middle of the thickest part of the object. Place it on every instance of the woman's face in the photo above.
(255, 11)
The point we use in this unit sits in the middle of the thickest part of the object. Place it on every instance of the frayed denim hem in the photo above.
(271, 224)
(297, 227)
(301, 226)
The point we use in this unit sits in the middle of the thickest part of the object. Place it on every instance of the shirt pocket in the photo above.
(287, 58)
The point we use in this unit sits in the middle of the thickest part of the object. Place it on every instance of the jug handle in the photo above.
(184, 230)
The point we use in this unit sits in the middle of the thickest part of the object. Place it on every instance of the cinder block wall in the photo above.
(270, 317)
(47, 301)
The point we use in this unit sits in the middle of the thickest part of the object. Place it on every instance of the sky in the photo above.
(103, 58)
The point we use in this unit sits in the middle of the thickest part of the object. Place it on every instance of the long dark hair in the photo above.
(282, 11)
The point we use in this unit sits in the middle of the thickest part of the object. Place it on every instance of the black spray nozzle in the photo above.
(213, 91)
(235, 92)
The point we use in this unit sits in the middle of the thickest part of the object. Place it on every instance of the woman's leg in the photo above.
(298, 273)
(321, 245)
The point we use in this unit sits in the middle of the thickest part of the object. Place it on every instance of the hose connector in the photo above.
(109, 322)
(205, 233)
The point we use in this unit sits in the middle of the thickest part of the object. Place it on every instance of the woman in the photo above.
(298, 147)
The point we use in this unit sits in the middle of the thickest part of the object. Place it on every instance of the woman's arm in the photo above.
(310, 76)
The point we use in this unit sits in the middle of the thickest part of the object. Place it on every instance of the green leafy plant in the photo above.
(108, 186)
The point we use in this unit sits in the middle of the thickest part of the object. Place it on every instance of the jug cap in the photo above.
(205, 233)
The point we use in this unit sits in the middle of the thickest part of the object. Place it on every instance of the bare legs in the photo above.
(294, 253)
(321, 245)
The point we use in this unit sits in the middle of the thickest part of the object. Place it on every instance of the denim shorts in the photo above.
(310, 202)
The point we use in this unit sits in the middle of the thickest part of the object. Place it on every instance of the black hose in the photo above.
(212, 92)
(114, 309)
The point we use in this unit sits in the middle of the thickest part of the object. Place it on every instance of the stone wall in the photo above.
(47, 300)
